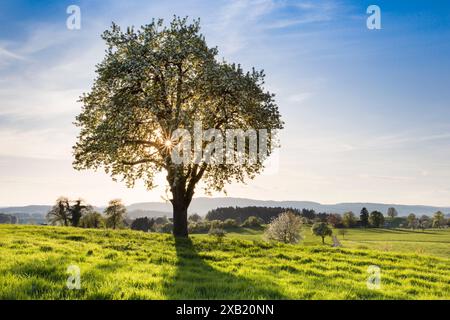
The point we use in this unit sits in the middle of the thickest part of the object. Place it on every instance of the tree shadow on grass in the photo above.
(194, 278)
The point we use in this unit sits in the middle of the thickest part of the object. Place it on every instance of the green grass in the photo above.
(136, 265)
(435, 242)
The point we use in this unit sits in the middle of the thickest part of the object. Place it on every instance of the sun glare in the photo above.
(168, 143)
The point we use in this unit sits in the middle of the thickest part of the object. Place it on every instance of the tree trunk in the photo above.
(180, 204)
(323, 240)
(182, 189)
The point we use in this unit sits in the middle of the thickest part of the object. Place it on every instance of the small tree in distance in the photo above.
(376, 219)
(392, 213)
(115, 213)
(285, 228)
(321, 229)
(335, 220)
(349, 219)
(424, 222)
(438, 220)
(412, 221)
(364, 217)
(342, 232)
(60, 212)
(77, 210)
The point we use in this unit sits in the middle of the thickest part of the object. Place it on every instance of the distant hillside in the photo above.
(32, 209)
(202, 205)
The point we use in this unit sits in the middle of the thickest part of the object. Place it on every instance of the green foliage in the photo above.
(77, 210)
(230, 223)
(153, 81)
(252, 222)
(364, 217)
(92, 219)
(115, 214)
(143, 224)
(195, 218)
(392, 213)
(335, 220)
(439, 220)
(165, 228)
(161, 220)
(349, 219)
(217, 233)
(413, 222)
(199, 227)
(321, 229)
(376, 219)
(216, 224)
(125, 264)
(240, 214)
(62, 213)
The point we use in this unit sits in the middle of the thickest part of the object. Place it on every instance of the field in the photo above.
(435, 242)
(136, 265)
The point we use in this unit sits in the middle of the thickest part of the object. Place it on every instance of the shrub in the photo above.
(252, 222)
(216, 224)
(92, 219)
(142, 224)
(285, 228)
(195, 218)
(165, 228)
(335, 220)
(230, 223)
(161, 220)
(199, 227)
(218, 233)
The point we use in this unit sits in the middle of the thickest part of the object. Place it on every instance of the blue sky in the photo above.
(367, 111)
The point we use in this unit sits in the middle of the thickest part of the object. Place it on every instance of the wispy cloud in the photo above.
(6, 54)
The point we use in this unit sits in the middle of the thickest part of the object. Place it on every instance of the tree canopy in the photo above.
(159, 79)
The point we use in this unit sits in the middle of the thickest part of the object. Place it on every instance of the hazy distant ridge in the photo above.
(202, 205)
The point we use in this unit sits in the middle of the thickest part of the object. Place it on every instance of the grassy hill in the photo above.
(136, 265)
(434, 242)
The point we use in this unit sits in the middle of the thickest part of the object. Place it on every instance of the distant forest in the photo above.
(267, 214)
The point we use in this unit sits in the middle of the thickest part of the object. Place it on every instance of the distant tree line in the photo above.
(77, 213)
(366, 219)
(240, 214)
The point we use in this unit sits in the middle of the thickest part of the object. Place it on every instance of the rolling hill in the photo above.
(202, 205)
(135, 265)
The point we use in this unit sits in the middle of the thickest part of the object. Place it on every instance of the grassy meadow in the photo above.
(434, 242)
(136, 265)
